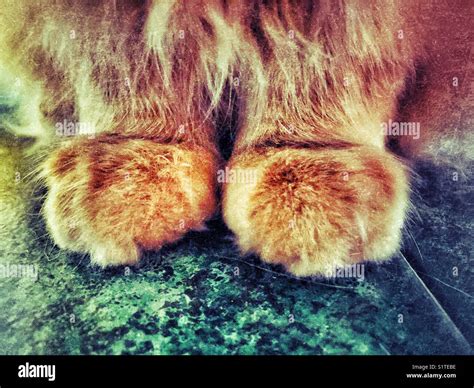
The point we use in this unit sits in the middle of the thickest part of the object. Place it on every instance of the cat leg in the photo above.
(313, 209)
(317, 188)
(113, 198)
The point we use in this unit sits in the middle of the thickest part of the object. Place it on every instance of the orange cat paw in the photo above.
(314, 210)
(112, 199)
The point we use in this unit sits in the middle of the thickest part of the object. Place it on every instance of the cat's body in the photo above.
(304, 87)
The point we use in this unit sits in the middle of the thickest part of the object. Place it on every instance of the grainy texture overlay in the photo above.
(199, 294)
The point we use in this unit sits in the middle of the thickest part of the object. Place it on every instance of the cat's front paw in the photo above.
(314, 210)
(113, 199)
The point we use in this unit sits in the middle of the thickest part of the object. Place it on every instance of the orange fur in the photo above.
(311, 210)
(113, 198)
(304, 86)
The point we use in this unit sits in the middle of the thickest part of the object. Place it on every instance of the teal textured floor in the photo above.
(200, 297)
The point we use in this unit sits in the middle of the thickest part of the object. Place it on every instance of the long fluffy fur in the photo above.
(315, 68)
(303, 83)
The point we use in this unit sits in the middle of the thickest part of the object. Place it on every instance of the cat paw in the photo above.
(315, 210)
(114, 199)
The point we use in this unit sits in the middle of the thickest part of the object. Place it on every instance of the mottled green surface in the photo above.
(199, 297)
(440, 241)
(190, 299)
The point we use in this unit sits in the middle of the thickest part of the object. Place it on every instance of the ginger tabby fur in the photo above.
(302, 85)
